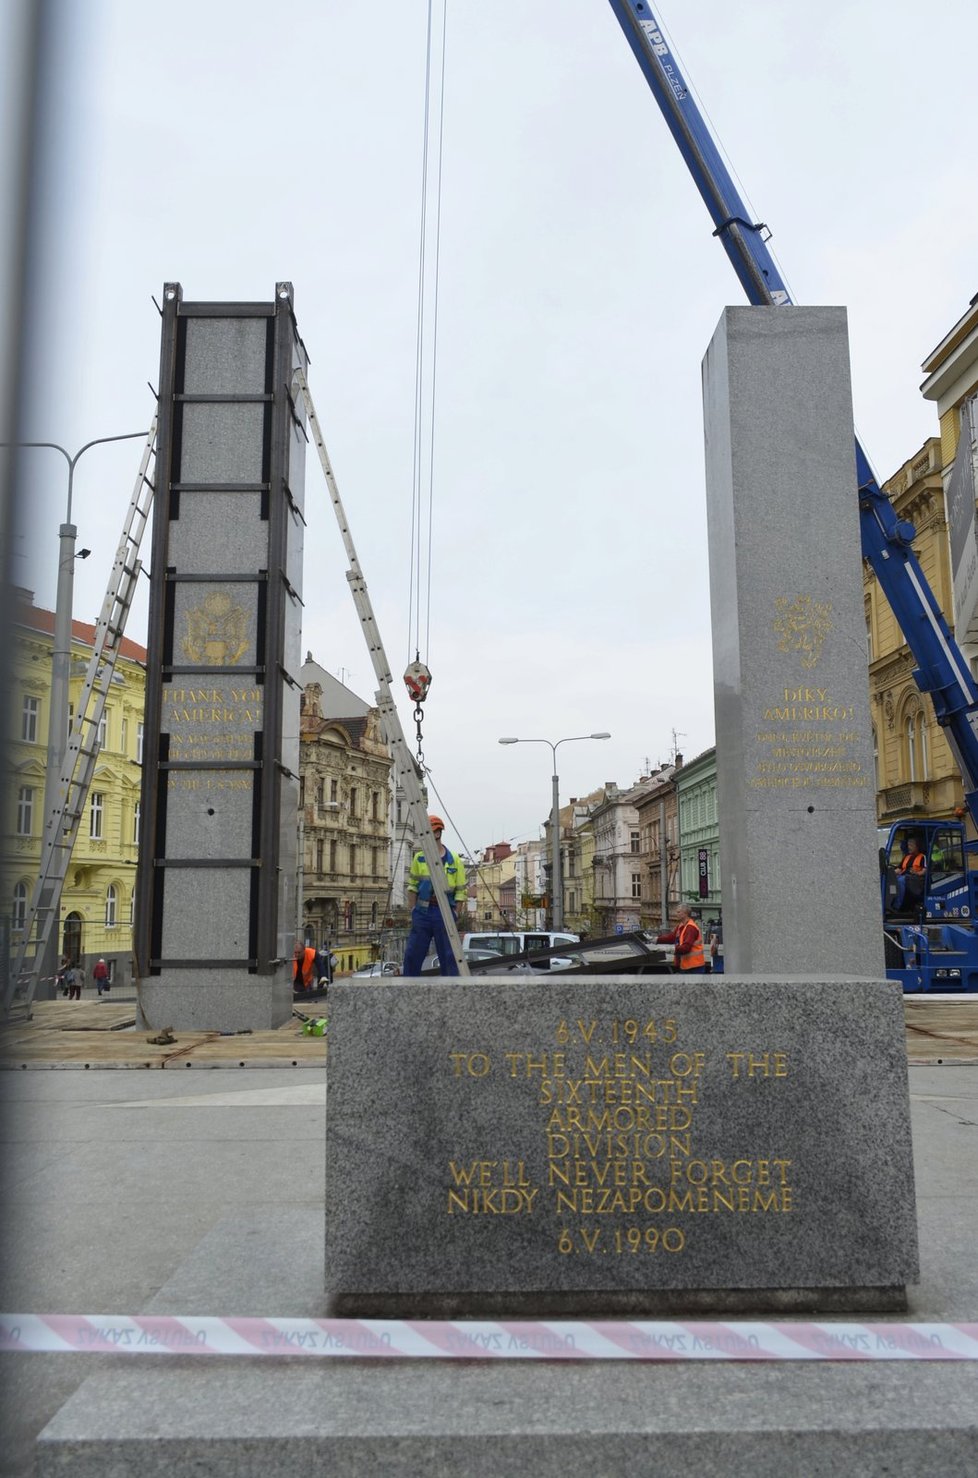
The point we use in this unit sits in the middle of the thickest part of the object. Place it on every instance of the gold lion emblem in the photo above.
(217, 631)
(802, 626)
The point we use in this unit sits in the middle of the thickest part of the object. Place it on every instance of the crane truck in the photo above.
(930, 937)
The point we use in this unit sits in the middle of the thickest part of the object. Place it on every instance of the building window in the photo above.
(876, 761)
(334, 790)
(635, 842)
(103, 729)
(95, 815)
(28, 720)
(332, 856)
(135, 822)
(25, 810)
(124, 735)
(353, 800)
(375, 806)
(18, 912)
(353, 860)
(140, 731)
(636, 885)
(922, 745)
(319, 856)
(373, 916)
(916, 740)
(320, 792)
(111, 905)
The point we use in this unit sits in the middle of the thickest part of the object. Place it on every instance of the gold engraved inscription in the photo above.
(824, 755)
(212, 723)
(622, 1166)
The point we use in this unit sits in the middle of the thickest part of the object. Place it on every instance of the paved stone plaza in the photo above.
(202, 1193)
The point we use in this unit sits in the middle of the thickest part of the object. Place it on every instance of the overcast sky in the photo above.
(230, 145)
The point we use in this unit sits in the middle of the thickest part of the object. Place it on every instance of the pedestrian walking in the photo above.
(75, 977)
(100, 974)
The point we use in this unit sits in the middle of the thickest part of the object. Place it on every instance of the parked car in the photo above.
(376, 968)
(517, 942)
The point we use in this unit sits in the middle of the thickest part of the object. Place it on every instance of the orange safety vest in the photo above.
(917, 861)
(694, 959)
(305, 965)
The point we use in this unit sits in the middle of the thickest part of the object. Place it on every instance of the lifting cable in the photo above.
(417, 677)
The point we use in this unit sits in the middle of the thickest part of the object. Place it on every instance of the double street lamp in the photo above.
(61, 663)
(556, 880)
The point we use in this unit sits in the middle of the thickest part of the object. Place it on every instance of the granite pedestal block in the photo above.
(630, 1146)
(795, 779)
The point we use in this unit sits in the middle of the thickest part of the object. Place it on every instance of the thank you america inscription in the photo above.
(616, 1146)
(216, 894)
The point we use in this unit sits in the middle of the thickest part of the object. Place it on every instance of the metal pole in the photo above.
(556, 879)
(57, 742)
(663, 865)
(557, 882)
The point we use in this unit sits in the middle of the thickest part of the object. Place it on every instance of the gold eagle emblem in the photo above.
(217, 631)
(802, 625)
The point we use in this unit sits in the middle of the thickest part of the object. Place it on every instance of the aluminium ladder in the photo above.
(81, 751)
(405, 768)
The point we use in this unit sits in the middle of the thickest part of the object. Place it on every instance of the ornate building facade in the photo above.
(915, 772)
(345, 819)
(658, 824)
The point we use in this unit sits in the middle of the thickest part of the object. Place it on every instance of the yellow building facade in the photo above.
(915, 771)
(97, 899)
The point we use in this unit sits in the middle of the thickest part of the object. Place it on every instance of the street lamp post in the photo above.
(61, 672)
(556, 880)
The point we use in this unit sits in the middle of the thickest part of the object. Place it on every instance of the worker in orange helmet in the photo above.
(426, 920)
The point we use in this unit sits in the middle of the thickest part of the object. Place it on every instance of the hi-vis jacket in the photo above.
(419, 878)
(688, 941)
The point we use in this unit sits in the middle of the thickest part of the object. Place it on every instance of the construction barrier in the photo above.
(658, 1340)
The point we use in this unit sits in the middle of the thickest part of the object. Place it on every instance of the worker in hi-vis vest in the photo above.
(910, 874)
(687, 941)
(426, 919)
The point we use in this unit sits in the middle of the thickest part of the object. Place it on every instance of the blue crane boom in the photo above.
(941, 669)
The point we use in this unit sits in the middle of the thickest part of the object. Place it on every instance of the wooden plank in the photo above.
(93, 1034)
(941, 1032)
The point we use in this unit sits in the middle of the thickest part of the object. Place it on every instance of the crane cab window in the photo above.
(946, 853)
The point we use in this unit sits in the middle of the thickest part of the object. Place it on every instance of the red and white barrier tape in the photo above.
(476, 1340)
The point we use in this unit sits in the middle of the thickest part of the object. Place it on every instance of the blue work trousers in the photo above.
(426, 925)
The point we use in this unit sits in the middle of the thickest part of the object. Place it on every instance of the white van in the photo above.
(520, 942)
